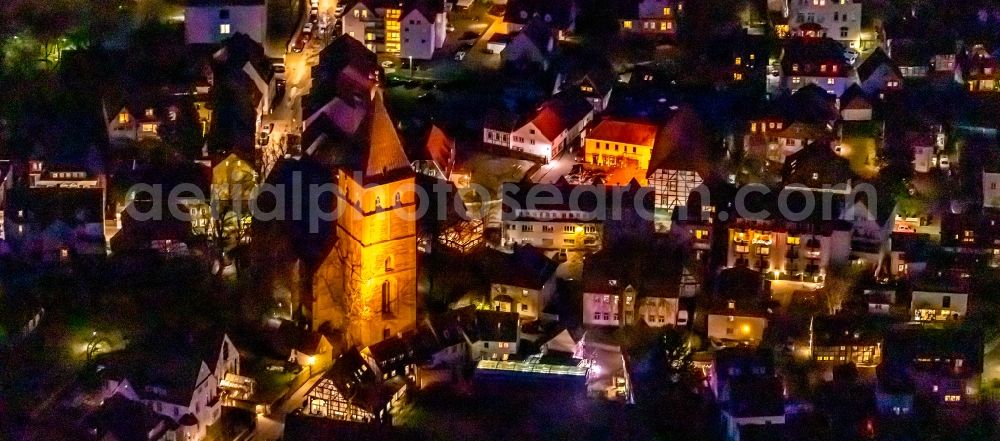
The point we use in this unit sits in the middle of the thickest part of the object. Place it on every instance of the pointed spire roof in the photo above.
(385, 154)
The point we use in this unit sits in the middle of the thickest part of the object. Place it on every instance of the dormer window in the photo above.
(123, 118)
(822, 68)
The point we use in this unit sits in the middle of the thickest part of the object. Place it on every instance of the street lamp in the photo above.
(311, 361)
(411, 66)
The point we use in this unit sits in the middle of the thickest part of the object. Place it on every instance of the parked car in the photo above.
(460, 55)
(387, 64)
(427, 97)
(279, 71)
(308, 28)
(450, 28)
(300, 43)
(322, 27)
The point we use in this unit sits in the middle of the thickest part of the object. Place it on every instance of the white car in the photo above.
(460, 55)
(322, 27)
(308, 28)
(314, 3)
(387, 64)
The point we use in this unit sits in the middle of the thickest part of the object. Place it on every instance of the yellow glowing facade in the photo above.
(367, 286)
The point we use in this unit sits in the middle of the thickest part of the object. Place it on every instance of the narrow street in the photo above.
(271, 426)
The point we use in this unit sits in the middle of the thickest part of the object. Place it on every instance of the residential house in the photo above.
(243, 88)
(389, 358)
(434, 154)
(894, 394)
(351, 391)
(981, 71)
(212, 21)
(819, 61)
(791, 122)
(679, 161)
(880, 301)
(119, 418)
(817, 168)
(453, 331)
(656, 17)
(530, 47)
(908, 254)
(855, 105)
(941, 296)
(498, 126)
(736, 323)
(618, 143)
(376, 24)
(561, 217)
(911, 56)
(560, 15)
(182, 378)
(594, 79)
(62, 214)
(747, 389)
(944, 365)
(836, 19)
(841, 339)
(927, 147)
(555, 126)
(424, 24)
(879, 73)
(800, 250)
(620, 293)
(496, 335)
(521, 281)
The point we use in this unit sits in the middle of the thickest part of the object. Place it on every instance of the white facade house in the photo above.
(836, 19)
(211, 21)
(556, 125)
(938, 305)
(423, 32)
(991, 188)
(186, 389)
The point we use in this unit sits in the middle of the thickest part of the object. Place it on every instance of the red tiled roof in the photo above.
(624, 132)
(560, 113)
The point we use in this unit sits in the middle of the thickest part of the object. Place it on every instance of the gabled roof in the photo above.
(455, 325)
(681, 145)
(525, 267)
(854, 98)
(877, 58)
(626, 132)
(373, 149)
(560, 113)
(125, 420)
(903, 346)
(427, 8)
(815, 166)
(346, 69)
(538, 33)
(350, 374)
(810, 54)
(497, 326)
(390, 354)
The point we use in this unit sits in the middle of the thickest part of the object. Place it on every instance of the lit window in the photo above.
(666, 10)
(739, 61)
(952, 398)
(149, 127)
(831, 81)
(224, 29)
(627, 24)
(149, 111)
(796, 80)
(663, 25)
(123, 118)
(737, 76)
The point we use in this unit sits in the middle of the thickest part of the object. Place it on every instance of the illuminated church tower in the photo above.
(366, 286)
